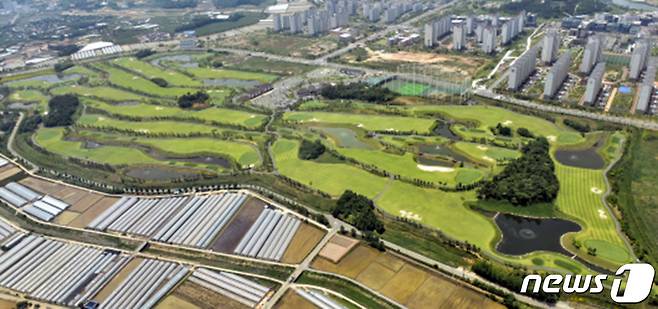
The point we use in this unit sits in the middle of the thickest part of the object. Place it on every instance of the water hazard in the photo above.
(522, 235)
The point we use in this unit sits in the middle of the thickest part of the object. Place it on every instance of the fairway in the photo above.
(172, 77)
(368, 122)
(124, 79)
(51, 139)
(490, 116)
(145, 127)
(207, 73)
(244, 154)
(107, 93)
(211, 114)
(486, 154)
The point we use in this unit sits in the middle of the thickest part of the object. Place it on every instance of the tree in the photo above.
(61, 109)
(311, 150)
(524, 132)
(62, 66)
(358, 210)
(526, 180)
(143, 53)
(188, 100)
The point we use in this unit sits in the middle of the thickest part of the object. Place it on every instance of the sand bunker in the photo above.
(596, 190)
(507, 122)
(490, 159)
(481, 147)
(360, 125)
(440, 169)
(551, 138)
(410, 215)
(602, 214)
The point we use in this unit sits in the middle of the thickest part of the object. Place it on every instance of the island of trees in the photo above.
(527, 180)
(311, 150)
(358, 91)
(61, 110)
(358, 211)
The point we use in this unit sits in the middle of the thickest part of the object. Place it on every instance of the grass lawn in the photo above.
(486, 154)
(172, 77)
(124, 79)
(208, 73)
(313, 105)
(406, 166)
(152, 127)
(212, 114)
(489, 116)
(368, 122)
(409, 89)
(244, 154)
(30, 96)
(107, 93)
(51, 139)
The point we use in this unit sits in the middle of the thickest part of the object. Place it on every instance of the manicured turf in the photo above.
(208, 73)
(577, 199)
(409, 89)
(30, 96)
(487, 154)
(107, 93)
(313, 105)
(172, 77)
(212, 114)
(51, 139)
(368, 122)
(489, 116)
(150, 127)
(124, 79)
(243, 153)
(406, 166)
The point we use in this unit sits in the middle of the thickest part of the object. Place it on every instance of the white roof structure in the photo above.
(95, 46)
(277, 9)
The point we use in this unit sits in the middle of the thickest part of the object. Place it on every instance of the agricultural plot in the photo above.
(172, 77)
(318, 298)
(238, 288)
(42, 206)
(269, 237)
(210, 115)
(6, 230)
(57, 272)
(410, 285)
(368, 122)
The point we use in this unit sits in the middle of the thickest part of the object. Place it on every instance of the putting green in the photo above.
(211, 114)
(52, 140)
(368, 122)
(486, 154)
(172, 77)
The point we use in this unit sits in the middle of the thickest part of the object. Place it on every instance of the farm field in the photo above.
(410, 285)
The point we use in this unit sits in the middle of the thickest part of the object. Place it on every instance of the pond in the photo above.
(441, 150)
(522, 235)
(185, 60)
(443, 129)
(231, 83)
(344, 137)
(433, 162)
(205, 160)
(50, 78)
(586, 158)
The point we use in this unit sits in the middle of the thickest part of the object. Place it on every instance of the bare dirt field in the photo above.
(66, 217)
(175, 302)
(281, 44)
(306, 238)
(443, 62)
(8, 171)
(118, 279)
(92, 212)
(292, 300)
(201, 297)
(410, 285)
(79, 199)
(231, 235)
(338, 247)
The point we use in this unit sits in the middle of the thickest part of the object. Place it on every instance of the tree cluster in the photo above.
(511, 279)
(188, 100)
(358, 91)
(160, 82)
(61, 109)
(555, 9)
(65, 49)
(358, 211)
(234, 3)
(143, 53)
(526, 180)
(311, 150)
(577, 125)
(524, 132)
(176, 4)
(200, 21)
(501, 130)
(63, 66)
